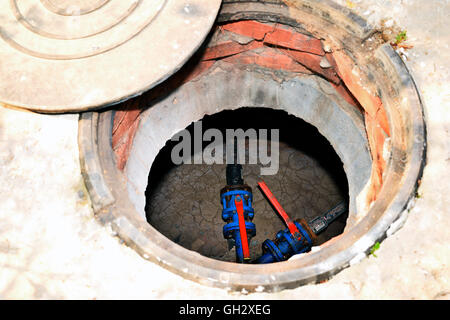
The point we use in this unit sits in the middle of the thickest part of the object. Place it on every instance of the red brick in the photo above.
(375, 185)
(249, 28)
(123, 148)
(312, 62)
(331, 60)
(377, 138)
(199, 69)
(123, 120)
(228, 49)
(269, 58)
(370, 102)
(347, 95)
(383, 121)
(294, 40)
(341, 88)
(124, 127)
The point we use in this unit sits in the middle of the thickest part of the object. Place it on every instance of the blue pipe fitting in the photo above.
(285, 245)
(229, 214)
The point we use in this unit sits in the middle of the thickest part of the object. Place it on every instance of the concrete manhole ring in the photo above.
(82, 55)
(392, 119)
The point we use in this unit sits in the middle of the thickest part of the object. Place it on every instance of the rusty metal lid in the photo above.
(75, 55)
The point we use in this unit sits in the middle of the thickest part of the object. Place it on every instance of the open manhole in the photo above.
(183, 202)
(350, 130)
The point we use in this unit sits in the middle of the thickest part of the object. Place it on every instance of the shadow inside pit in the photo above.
(183, 202)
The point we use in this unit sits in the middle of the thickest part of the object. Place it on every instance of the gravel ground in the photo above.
(51, 246)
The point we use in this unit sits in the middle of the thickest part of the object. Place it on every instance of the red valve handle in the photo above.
(290, 224)
(243, 231)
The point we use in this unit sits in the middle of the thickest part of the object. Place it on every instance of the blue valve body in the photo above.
(285, 245)
(230, 215)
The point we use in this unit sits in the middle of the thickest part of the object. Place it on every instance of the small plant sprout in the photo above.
(401, 36)
(400, 39)
(375, 247)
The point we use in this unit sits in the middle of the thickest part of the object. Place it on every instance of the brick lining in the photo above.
(281, 48)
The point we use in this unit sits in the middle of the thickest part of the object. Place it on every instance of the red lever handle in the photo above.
(243, 231)
(290, 224)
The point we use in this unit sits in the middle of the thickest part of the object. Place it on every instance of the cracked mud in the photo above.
(183, 202)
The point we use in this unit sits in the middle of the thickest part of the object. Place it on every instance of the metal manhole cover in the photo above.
(75, 55)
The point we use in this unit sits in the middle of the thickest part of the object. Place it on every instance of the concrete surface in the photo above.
(51, 246)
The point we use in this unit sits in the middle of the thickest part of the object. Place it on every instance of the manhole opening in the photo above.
(183, 201)
(315, 61)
